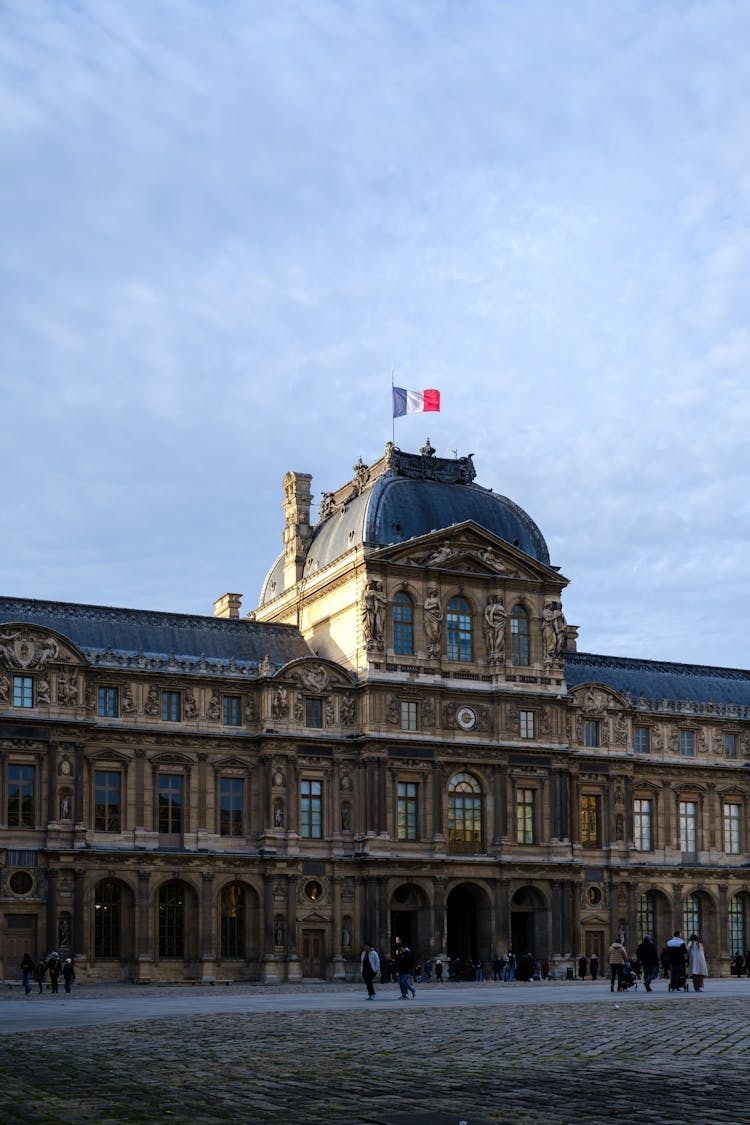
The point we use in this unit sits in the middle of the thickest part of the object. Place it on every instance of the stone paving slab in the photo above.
(577, 1058)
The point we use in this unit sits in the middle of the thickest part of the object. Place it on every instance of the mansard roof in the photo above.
(660, 685)
(176, 642)
(404, 496)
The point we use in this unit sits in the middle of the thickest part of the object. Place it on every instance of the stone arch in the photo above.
(238, 921)
(408, 919)
(111, 937)
(529, 922)
(469, 934)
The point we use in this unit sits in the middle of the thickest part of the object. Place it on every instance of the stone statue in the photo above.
(554, 632)
(433, 621)
(280, 703)
(278, 931)
(373, 614)
(278, 815)
(213, 710)
(494, 629)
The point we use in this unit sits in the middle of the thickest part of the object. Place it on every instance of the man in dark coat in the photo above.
(648, 955)
(404, 967)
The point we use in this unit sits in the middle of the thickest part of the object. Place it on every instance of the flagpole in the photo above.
(393, 416)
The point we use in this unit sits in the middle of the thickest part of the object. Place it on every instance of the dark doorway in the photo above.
(401, 929)
(312, 954)
(462, 924)
(522, 932)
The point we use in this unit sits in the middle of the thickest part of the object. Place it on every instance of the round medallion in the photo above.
(21, 882)
(466, 718)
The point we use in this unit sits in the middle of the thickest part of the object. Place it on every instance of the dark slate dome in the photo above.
(401, 497)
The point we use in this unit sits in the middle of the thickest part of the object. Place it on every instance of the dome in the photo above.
(405, 496)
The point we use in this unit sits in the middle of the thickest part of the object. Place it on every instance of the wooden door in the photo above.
(313, 954)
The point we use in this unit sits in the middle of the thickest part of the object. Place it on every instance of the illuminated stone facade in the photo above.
(401, 743)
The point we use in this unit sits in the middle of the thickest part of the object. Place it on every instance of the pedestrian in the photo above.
(582, 966)
(479, 970)
(439, 972)
(404, 967)
(677, 958)
(648, 955)
(54, 965)
(69, 973)
(616, 958)
(370, 966)
(41, 969)
(27, 972)
(697, 966)
(510, 967)
(594, 966)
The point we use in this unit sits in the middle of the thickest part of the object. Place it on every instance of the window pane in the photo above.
(170, 803)
(730, 745)
(525, 827)
(311, 809)
(591, 731)
(736, 926)
(590, 820)
(687, 815)
(107, 920)
(170, 706)
(23, 691)
(233, 921)
(108, 702)
(641, 740)
(519, 635)
(403, 625)
(407, 810)
(687, 743)
(527, 724)
(458, 630)
(172, 921)
(314, 713)
(691, 916)
(732, 828)
(21, 796)
(408, 715)
(646, 915)
(232, 710)
(107, 801)
(642, 826)
(231, 803)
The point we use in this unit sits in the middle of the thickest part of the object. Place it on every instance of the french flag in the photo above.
(414, 402)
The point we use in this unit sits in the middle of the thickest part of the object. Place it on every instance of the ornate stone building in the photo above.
(401, 743)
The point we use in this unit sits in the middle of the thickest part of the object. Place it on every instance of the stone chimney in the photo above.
(228, 605)
(297, 529)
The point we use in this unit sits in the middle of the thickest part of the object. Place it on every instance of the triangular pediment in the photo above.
(468, 549)
(31, 647)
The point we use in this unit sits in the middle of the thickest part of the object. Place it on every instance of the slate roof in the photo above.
(665, 685)
(169, 641)
(411, 496)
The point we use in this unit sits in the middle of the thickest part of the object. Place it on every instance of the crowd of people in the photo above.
(677, 962)
(49, 968)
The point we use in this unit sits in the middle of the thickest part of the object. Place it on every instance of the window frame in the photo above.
(687, 743)
(21, 795)
(687, 822)
(23, 692)
(641, 734)
(231, 806)
(107, 812)
(526, 815)
(459, 631)
(731, 821)
(171, 705)
(311, 808)
(465, 819)
(231, 710)
(643, 824)
(314, 712)
(520, 644)
(402, 624)
(591, 837)
(171, 807)
(409, 715)
(407, 810)
(107, 701)
(527, 724)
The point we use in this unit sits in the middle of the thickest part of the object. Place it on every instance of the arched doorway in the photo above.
(528, 923)
(408, 920)
(468, 924)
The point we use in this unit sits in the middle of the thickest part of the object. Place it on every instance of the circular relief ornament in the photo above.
(466, 718)
(21, 882)
(593, 896)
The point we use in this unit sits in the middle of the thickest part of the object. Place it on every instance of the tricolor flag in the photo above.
(414, 402)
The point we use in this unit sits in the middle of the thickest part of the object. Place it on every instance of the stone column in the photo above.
(80, 767)
(294, 969)
(144, 957)
(269, 967)
(51, 910)
(78, 945)
(52, 760)
(632, 938)
(502, 915)
(382, 781)
(439, 938)
(208, 951)
(339, 971)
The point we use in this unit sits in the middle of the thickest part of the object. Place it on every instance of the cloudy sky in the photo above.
(227, 223)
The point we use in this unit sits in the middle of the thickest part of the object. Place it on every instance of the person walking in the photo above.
(54, 965)
(41, 969)
(677, 958)
(648, 955)
(27, 972)
(69, 973)
(404, 967)
(370, 967)
(582, 966)
(594, 966)
(616, 958)
(697, 966)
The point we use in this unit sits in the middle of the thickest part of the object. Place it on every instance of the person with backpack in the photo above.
(27, 972)
(68, 972)
(54, 965)
(404, 967)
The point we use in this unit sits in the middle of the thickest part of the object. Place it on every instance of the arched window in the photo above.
(691, 916)
(172, 920)
(233, 921)
(458, 630)
(736, 925)
(403, 625)
(107, 920)
(645, 922)
(464, 813)
(519, 635)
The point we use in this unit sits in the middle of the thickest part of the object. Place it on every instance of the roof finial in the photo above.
(427, 450)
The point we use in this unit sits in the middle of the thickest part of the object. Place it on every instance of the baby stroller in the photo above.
(629, 977)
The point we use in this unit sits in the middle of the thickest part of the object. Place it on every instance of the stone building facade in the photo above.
(402, 743)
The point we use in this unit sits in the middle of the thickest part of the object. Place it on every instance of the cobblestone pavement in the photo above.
(309, 1055)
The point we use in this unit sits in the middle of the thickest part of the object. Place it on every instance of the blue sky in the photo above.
(225, 224)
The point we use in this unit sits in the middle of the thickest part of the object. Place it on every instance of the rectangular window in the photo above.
(314, 713)
(642, 827)
(591, 731)
(687, 743)
(730, 745)
(408, 715)
(21, 796)
(525, 816)
(590, 820)
(171, 709)
(23, 691)
(731, 827)
(170, 803)
(231, 806)
(311, 809)
(407, 810)
(642, 740)
(231, 710)
(108, 704)
(527, 724)
(107, 800)
(688, 814)
(645, 922)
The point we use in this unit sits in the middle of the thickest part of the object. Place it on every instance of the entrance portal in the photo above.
(312, 954)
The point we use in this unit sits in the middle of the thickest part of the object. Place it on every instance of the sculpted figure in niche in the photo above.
(494, 629)
(42, 690)
(433, 621)
(191, 707)
(346, 819)
(128, 706)
(278, 815)
(554, 631)
(4, 685)
(373, 614)
(278, 932)
(152, 702)
(280, 703)
(347, 710)
(213, 710)
(65, 807)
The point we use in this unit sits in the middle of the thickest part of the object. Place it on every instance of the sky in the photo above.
(226, 226)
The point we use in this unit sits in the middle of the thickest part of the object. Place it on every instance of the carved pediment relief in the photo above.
(594, 699)
(23, 646)
(316, 676)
